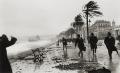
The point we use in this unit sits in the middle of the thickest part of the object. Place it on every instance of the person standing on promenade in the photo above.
(110, 44)
(64, 41)
(93, 43)
(5, 66)
(80, 43)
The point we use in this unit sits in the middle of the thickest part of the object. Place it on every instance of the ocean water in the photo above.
(26, 46)
(23, 44)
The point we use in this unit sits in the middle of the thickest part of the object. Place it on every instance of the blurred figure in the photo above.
(79, 42)
(93, 43)
(64, 41)
(57, 43)
(5, 66)
(110, 44)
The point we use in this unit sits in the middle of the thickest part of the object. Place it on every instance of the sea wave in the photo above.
(26, 47)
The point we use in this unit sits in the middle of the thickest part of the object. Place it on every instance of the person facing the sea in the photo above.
(93, 43)
(80, 43)
(5, 66)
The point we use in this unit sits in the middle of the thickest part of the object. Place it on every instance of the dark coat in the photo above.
(80, 43)
(110, 43)
(5, 66)
(64, 41)
(93, 42)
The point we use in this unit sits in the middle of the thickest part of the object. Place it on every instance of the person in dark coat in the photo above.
(5, 66)
(64, 41)
(93, 43)
(80, 43)
(110, 44)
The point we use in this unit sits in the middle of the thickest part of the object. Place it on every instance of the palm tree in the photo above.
(91, 9)
(78, 23)
(62, 34)
(70, 32)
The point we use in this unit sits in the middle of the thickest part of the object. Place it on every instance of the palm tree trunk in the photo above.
(77, 29)
(87, 26)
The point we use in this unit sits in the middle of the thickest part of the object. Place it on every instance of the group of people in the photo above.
(109, 42)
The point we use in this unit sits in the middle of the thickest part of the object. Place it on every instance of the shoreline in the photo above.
(23, 55)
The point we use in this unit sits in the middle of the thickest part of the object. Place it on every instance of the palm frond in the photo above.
(74, 24)
(92, 4)
(90, 15)
(78, 18)
(91, 9)
(96, 13)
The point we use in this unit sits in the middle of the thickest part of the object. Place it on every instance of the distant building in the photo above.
(100, 28)
(116, 31)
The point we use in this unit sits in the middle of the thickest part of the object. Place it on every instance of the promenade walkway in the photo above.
(59, 61)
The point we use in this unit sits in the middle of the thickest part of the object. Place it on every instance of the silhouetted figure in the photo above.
(110, 44)
(64, 41)
(5, 66)
(93, 43)
(79, 42)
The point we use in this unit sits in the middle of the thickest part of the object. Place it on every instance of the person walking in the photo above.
(80, 43)
(5, 66)
(110, 44)
(64, 41)
(93, 43)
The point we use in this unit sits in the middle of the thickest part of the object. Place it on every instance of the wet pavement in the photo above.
(101, 57)
(68, 61)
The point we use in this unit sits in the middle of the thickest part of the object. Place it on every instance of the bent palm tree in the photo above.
(91, 10)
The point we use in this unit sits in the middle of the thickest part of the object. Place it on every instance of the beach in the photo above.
(48, 66)
(26, 47)
(58, 61)
(22, 60)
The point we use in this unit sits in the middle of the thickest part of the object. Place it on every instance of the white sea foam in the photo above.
(26, 46)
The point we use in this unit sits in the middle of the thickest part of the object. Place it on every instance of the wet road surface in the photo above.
(101, 57)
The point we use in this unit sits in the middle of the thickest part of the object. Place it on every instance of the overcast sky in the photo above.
(31, 17)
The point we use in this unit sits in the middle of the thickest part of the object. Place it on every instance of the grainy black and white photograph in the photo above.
(59, 36)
